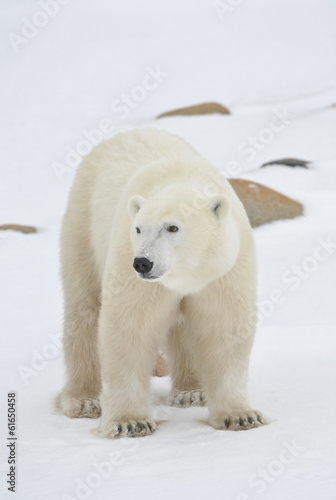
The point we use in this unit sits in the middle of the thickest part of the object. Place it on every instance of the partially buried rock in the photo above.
(206, 108)
(264, 205)
(288, 162)
(161, 367)
(19, 228)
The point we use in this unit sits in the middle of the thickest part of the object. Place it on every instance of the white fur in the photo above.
(199, 296)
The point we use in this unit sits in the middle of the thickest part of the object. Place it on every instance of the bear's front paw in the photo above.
(77, 407)
(184, 399)
(131, 428)
(239, 420)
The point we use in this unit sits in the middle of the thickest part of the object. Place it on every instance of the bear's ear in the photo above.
(220, 206)
(134, 205)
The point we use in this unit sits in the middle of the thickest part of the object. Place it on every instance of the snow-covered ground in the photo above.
(64, 82)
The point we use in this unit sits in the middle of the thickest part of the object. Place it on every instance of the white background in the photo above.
(260, 59)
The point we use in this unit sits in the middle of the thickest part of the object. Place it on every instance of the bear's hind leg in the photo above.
(186, 390)
(79, 398)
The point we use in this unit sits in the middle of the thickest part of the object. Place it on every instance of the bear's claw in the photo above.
(184, 399)
(132, 428)
(78, 407)
(236, 422)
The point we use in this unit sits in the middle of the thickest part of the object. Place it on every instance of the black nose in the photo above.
(142, 265)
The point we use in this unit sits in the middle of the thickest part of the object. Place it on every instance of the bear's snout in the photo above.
(142, 265)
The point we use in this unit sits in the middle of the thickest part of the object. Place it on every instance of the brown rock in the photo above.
(206, 108)
(161, 368)
(263, 204)
(18, 227)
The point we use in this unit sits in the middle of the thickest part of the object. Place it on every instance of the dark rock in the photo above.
(288, 162)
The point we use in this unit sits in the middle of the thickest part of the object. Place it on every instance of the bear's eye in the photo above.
(137, 230)
(172, 229)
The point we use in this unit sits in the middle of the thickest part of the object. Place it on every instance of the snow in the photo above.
(261, 59)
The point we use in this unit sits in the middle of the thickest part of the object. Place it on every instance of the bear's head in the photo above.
(181, 239)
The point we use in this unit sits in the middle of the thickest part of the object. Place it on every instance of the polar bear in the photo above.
(156, 248)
